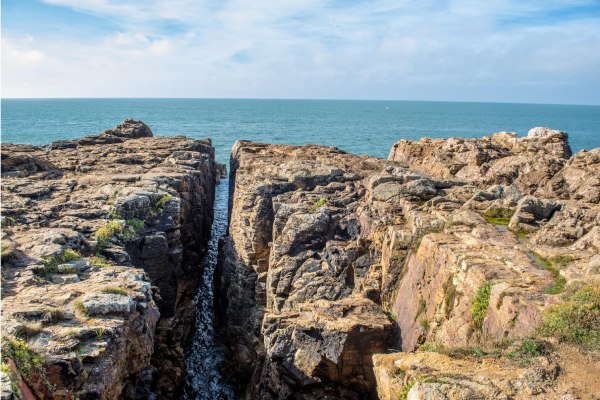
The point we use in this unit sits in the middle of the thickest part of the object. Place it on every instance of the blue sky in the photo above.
(543, 51)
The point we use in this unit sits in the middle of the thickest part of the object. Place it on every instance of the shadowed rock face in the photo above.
(331, 258)
(138, 212)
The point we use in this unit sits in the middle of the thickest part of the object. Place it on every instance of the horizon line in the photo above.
(294, 99)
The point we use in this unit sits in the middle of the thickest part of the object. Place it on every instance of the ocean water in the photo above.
(362, 127)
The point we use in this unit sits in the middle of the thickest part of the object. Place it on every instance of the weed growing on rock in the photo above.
(157, 208)
(404, 392)
(67, 256)
(9, 251)
(479, 309)
(26, 359)
(100, 332)
(424, 323)
(114, 290)
(107, 232)
(54, 314)
(559, 283)
(391, 317)
(322, 202)
(576, 319)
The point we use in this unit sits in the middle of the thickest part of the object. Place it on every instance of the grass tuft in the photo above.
(114, 290)
(107, 232)
(498, 215)
(479, 309)
(99, 261)
(26, 359)
(322, 202)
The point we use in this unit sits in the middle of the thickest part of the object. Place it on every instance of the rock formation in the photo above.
(458, 268)
(102, 244)
(332, 259)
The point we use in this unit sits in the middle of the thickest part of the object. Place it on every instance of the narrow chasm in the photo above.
(205, 355)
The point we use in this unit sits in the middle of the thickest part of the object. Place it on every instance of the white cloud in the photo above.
(461, 50)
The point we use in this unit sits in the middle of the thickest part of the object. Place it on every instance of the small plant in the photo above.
(112, 214)
(66, 256)
(27, 330)
(399, 372)
(563, 261)
(4, 368)
(107, 232)
(424, 323)
(524, 353)
(54, 314)
(8, 251)
(26, 359)
(498, 215)
(114, 290)
(100, 332)
(576, 319)
(136, 223)
(450, 297)
(99, 261)
(391, 317)
(322, 202)
(479, 309)
(422, 307)
(80, 307)
(404, 392)
(158, 206)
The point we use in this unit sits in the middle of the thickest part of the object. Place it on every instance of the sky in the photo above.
(531, 51)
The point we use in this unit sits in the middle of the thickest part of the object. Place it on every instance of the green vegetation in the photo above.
(577, 318)
(481, 301)
(424, 323)
(158, 206)
(99, 261)
(558, 286)
(107, 232)
(4, 368)
(67, 256)
(404, 392)
(112, 214)
(136, 223)
(391, 317)
(100, 332)
(26, 359)
(453, 352)
(54, 314)
(563, 261)
(115, 290)
(322, 202)
(498, 215)
(8, 251)
(523, 354)
(26, 330)
(80, 307)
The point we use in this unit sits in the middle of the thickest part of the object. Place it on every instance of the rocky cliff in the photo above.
(333, 259)
(102, 242)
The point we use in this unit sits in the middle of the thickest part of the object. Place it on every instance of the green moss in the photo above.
(322, 202)
(498, 215)
(479, 308)
(26, 359)
(107, 232)
(115, 290)
(576, 319)
(559, 283)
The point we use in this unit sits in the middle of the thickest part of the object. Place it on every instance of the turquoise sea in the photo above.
(362, 127)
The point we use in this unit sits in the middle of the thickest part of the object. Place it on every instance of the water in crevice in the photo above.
(203, 378)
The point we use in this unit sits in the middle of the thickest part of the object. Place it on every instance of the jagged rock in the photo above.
(88, 208)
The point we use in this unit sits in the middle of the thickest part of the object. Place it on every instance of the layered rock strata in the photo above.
(332, 258)
(103, 239)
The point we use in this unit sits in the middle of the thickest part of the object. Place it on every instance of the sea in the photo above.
(361, 127)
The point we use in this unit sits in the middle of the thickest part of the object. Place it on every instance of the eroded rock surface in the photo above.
(103, 239)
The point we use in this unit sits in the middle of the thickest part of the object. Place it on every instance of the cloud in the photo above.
(505, 50)
(22, 54)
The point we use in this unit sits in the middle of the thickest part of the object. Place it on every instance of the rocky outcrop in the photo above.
(102, 250)
(331, 258)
